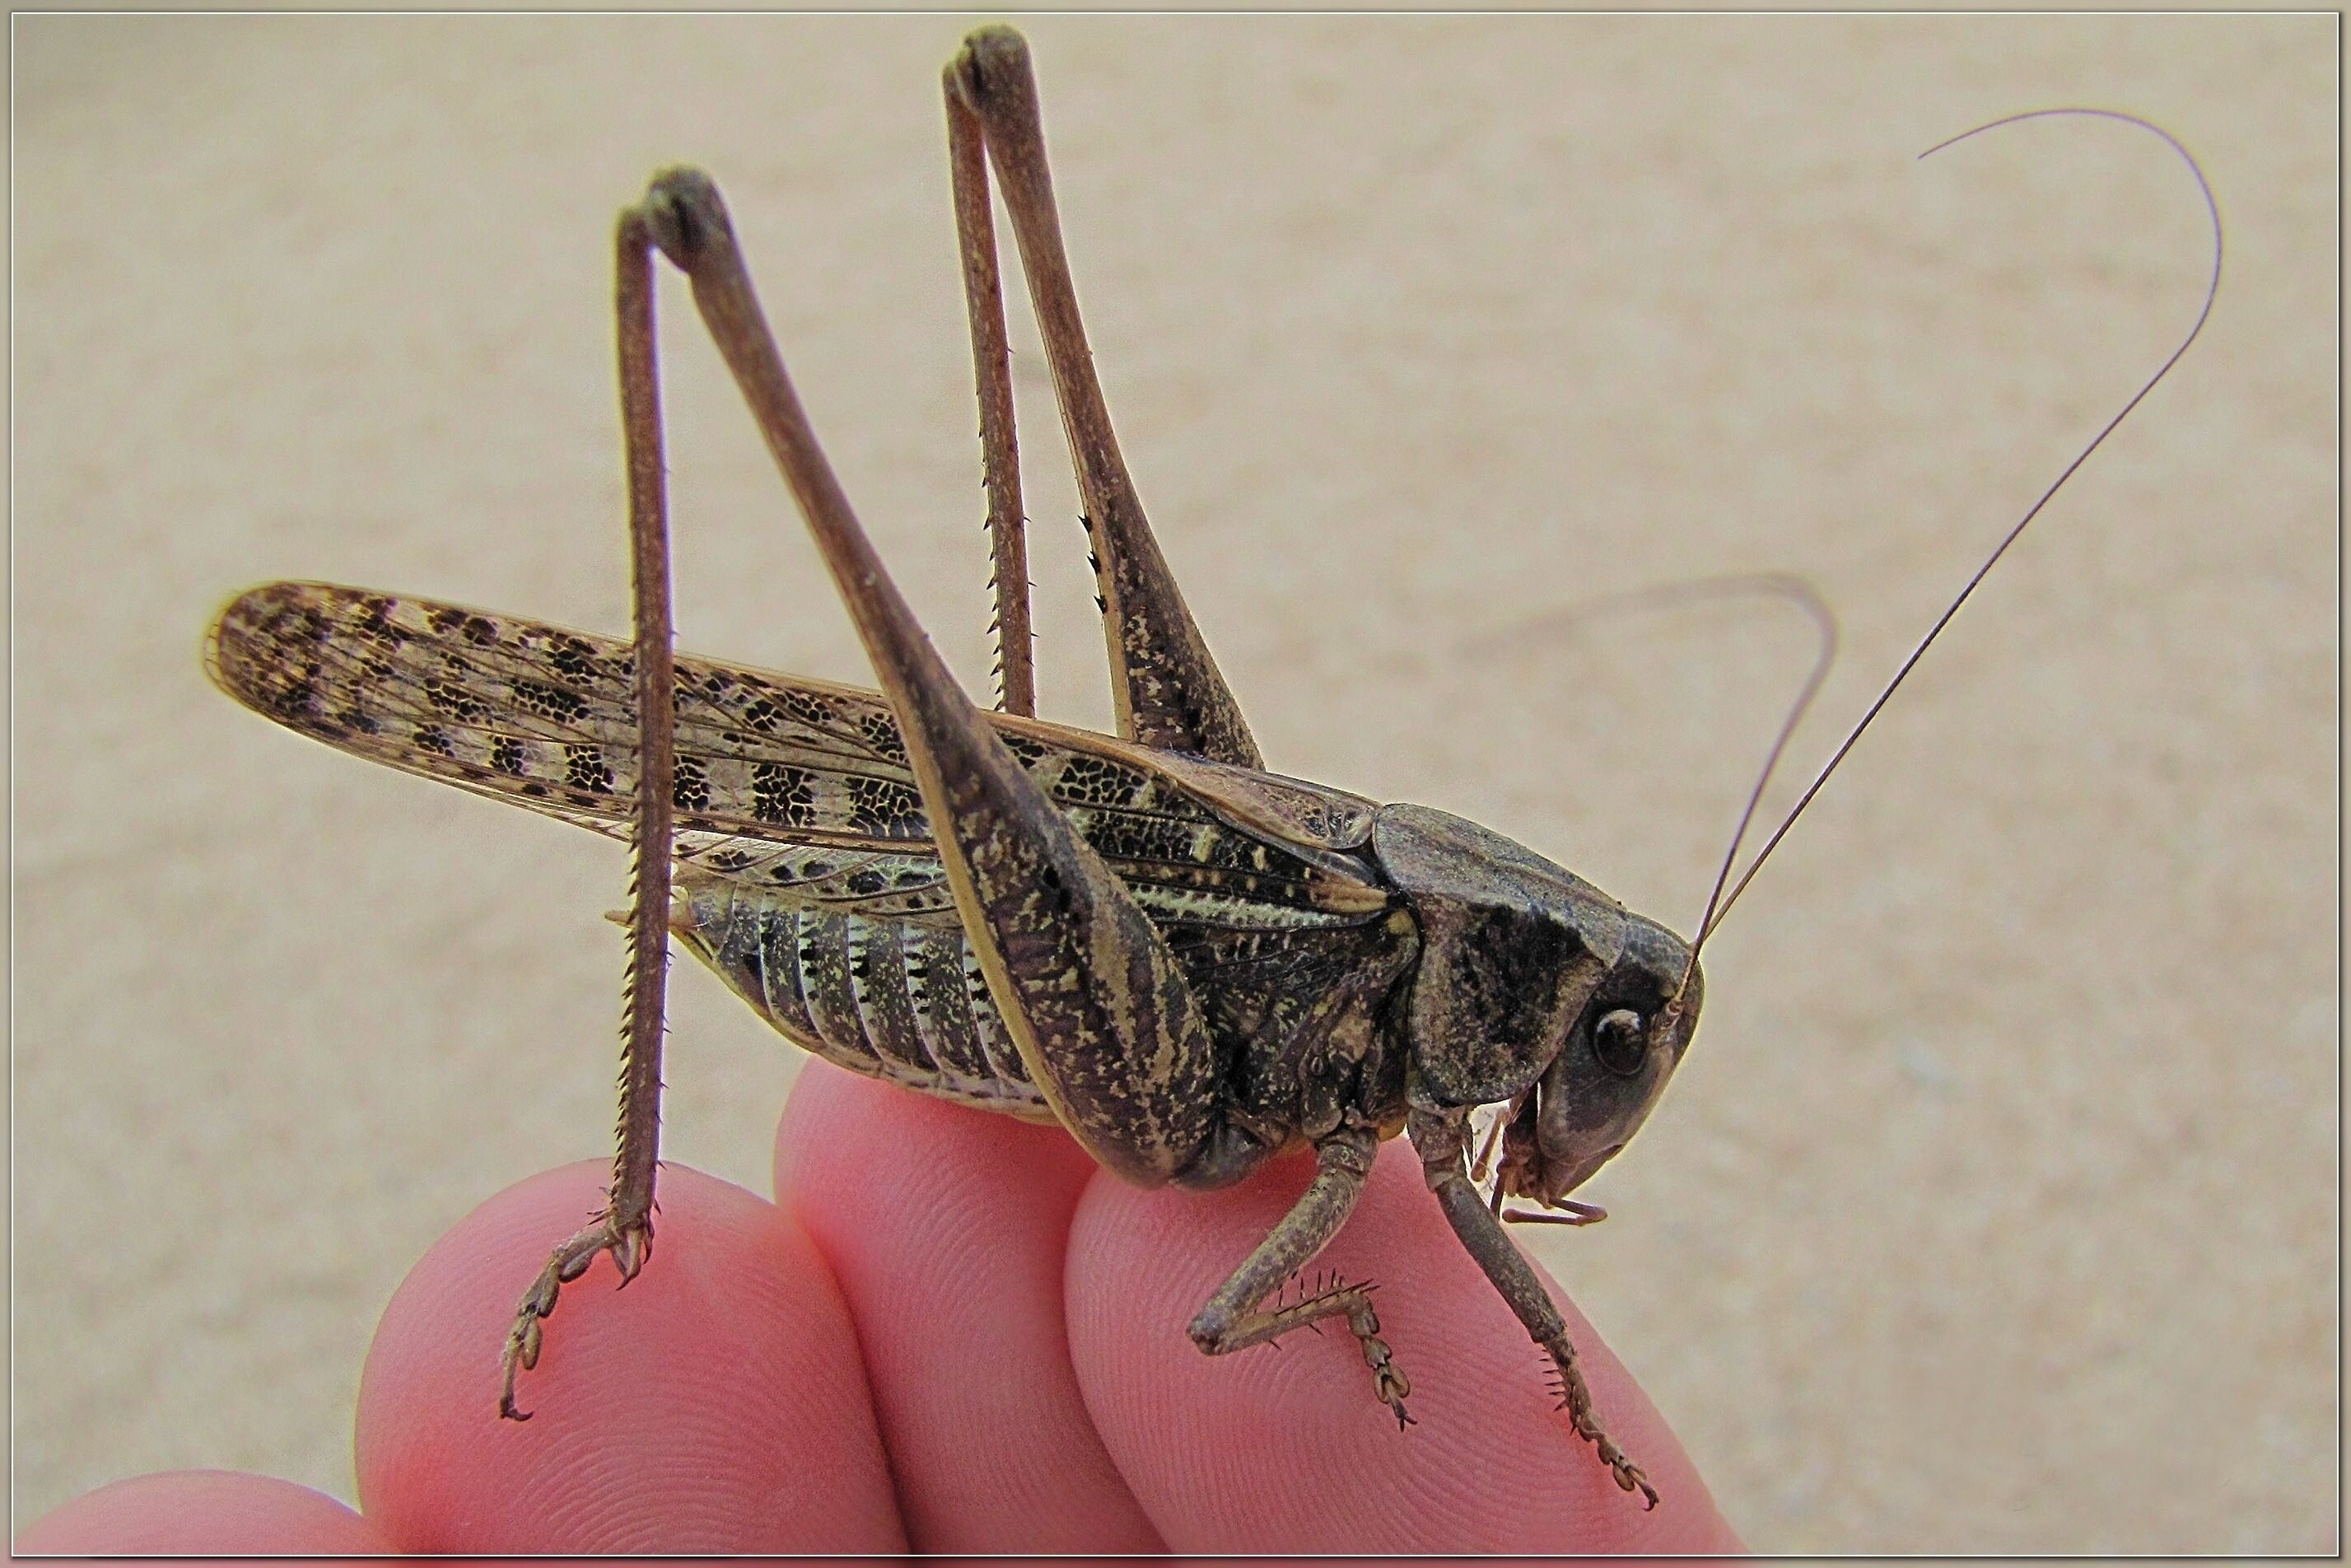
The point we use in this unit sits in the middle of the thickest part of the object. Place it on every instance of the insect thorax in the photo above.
(1512, 947)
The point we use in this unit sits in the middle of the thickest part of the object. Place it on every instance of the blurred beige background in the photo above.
(1996, 1207)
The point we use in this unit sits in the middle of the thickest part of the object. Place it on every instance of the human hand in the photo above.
(951, 1332)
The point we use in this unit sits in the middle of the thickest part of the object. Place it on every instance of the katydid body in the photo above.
(1189, 963)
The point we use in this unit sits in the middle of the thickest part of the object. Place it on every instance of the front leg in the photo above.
(1095, 1002)
(1441, 1140)
(1233, 1321)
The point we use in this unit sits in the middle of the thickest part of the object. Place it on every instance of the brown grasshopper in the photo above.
(1191, 964)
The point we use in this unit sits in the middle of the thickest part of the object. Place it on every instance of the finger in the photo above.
(1287, 1449)
(206, 1512)
(716, 1405)
(945, 1228)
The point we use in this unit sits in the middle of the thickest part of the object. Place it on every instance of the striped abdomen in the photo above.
(902, 1000)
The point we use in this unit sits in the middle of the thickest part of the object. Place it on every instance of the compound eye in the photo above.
(1620, 1042)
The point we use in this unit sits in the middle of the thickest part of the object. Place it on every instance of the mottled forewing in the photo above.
(798, 787)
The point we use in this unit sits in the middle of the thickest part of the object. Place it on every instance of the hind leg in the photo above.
(1165, 686)
(1095, 1001)
(991, 358)
(625, 1229)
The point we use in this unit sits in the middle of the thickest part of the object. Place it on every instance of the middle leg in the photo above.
(1233, 1319)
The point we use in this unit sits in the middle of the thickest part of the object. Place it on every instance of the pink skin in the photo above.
(950, 1332)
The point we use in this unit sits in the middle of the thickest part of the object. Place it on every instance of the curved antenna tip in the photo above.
(1718, 913)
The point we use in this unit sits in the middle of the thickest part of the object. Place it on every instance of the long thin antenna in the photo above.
(1718, 913)
(1798, 590)
(1807, 597)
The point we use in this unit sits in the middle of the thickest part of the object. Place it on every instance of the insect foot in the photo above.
(1386, 1380)
(631, 1242)
(1576, 1400)
(1222, 1328)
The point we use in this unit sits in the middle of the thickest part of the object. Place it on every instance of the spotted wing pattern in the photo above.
(806, 874)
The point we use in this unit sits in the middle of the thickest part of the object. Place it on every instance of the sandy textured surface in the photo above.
(1996, 1207)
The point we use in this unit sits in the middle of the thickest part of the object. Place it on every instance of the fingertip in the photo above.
(717, 1404)
(1288, 1450)
(203, 1513)
(948, 1227)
